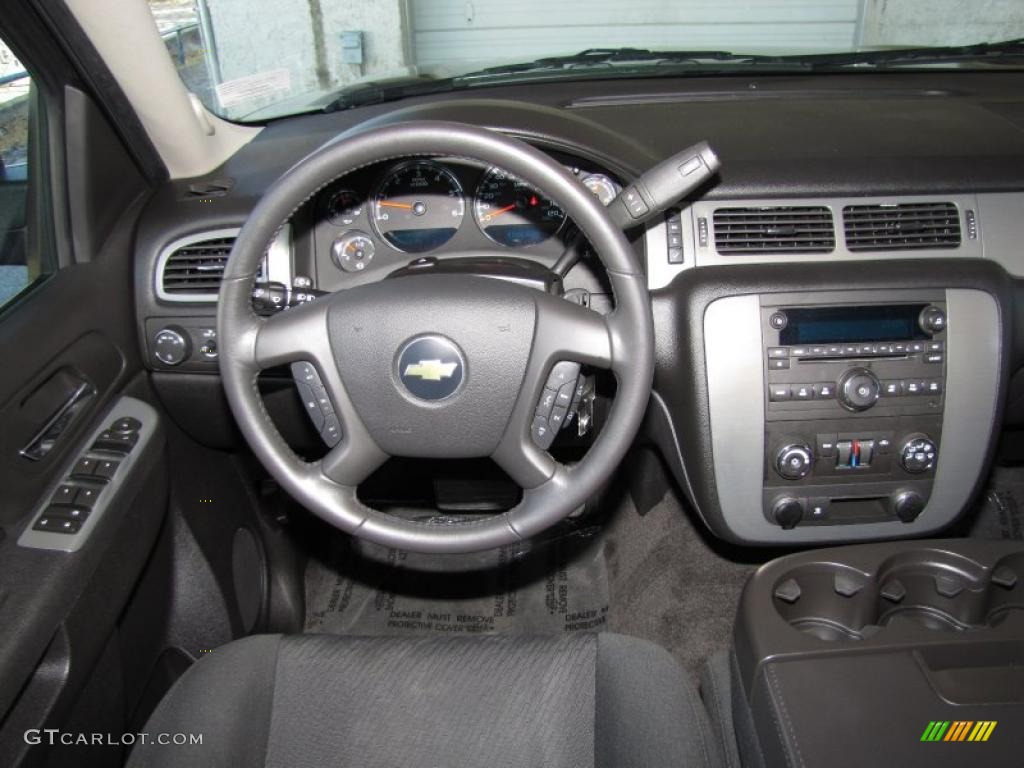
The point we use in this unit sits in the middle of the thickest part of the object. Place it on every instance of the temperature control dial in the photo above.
(794, 461)
(859, 389)
(918, 454)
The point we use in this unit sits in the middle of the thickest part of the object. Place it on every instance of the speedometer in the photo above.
(513, 213)
(418, 207)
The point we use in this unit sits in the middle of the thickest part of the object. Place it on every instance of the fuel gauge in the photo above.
(603, 188)
(344, 207)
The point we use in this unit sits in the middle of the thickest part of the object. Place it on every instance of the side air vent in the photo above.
(902, 226)
(775, 229)
(196, 268)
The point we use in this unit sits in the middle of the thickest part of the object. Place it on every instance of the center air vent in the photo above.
(898, 227)
(194, 269)
(775, 229)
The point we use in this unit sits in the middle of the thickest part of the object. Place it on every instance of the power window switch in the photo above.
(85, 467)
(86, 497)
(64, 495)
(57, 520)
(106, 468)
(115, 442)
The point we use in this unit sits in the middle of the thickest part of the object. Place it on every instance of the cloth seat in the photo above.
(437, 702)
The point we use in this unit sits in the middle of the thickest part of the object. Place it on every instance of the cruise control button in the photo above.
(779, 393)
(310, 405)
(323, 400)
(331, 431)
(565, 393)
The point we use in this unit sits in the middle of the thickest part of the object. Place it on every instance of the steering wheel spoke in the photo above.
(568, 331)
(294, 334)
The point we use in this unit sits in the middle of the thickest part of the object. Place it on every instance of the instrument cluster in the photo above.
(387, 216)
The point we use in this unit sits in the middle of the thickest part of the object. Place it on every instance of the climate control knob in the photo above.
(788, 512)
(171, 345)
(859, 389)
(907, 505)
(917, 454)
(794, 461)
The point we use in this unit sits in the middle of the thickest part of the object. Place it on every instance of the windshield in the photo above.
(252, 60)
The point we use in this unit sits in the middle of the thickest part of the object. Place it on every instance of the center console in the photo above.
(883, 654)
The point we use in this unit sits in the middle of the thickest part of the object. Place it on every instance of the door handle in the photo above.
(47, 436)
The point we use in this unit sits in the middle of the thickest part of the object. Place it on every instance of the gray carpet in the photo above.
(669, 584)
(553, 586)
(1000, 511)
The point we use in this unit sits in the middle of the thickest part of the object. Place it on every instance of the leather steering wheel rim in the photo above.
(622, 342)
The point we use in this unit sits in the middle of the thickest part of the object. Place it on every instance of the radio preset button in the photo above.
(779, 393)
(892, 388)
(883, 349)
(916, 346)
(778, 352)
(824, 391)
(934, 358)
(934, 346)
(803, 392)
(799, 351)
(778, 365)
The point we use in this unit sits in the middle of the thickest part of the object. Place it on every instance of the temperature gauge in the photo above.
(353, 251)
(603, 188)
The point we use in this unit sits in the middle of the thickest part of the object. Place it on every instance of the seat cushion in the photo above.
(507, 701)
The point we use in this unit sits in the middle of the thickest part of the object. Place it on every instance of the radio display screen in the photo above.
(831, 325)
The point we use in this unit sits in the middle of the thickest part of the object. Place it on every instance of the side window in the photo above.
(17, 268)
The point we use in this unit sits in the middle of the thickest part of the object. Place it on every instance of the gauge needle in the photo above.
(386, 204)
(497, 213)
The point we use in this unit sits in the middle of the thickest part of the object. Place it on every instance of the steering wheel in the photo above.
(498, 340)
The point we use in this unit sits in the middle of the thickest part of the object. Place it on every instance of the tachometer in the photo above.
(418, 207)
(513, 213)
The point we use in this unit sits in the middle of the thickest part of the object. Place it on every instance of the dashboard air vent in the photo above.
(901, 226)
(774, 229)
(197, 267)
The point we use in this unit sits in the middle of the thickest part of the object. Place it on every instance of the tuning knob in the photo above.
(907, 505)
(859, 389)
(794, 461)
(787, 512)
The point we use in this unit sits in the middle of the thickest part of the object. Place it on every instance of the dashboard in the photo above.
(826, 207)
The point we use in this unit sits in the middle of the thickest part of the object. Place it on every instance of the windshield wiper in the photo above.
(377, 92)
(1000, 53)
(613, 57)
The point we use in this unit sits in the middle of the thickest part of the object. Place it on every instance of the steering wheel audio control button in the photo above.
(331, 432)
(542, 433)
(316, 402)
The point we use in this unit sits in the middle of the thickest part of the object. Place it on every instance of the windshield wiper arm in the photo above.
(598, 57)
(1011, 49)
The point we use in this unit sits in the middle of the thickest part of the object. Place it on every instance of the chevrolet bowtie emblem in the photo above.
(430, 370)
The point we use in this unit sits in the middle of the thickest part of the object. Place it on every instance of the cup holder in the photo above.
(935, 591)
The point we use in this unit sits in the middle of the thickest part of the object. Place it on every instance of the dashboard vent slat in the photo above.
(902, 226)
(776, 229)
(197, 268)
